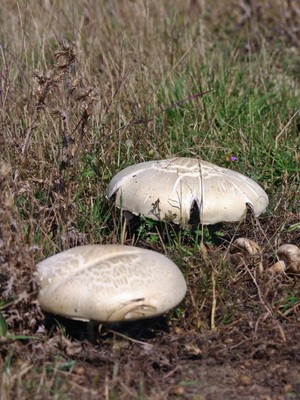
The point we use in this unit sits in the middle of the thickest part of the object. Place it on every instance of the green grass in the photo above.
(246, 115)
(89, 89)
(250, 112)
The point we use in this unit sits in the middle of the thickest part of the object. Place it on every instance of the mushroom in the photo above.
(278, 268)
(176, 189)
(109, 283)
(245, 245)
(290, 254)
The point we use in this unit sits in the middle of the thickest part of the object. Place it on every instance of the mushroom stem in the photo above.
(91, 329)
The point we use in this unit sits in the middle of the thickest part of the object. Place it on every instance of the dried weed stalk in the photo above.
(18, 287)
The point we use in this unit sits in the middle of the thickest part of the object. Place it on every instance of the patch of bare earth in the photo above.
(226, 363)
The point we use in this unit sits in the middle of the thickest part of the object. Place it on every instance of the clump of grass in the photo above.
(19, 310)
(75, 114)
(87, 89)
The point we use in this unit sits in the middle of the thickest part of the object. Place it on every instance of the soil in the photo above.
(155, 360)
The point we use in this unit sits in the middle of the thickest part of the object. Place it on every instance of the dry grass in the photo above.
(87, 88)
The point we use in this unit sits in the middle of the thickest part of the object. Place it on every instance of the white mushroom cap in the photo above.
(109, 283)
(170, 189)
(290, 254)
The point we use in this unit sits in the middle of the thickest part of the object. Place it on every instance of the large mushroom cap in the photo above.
(109, 283)
(170, 189)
